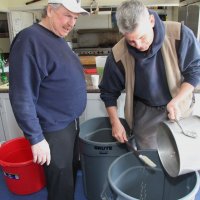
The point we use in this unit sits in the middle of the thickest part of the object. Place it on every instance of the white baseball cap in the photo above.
(71, 5)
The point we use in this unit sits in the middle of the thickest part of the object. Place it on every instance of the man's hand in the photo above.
(173, 110)
(172, 107)
(118, 132)
(41, 153)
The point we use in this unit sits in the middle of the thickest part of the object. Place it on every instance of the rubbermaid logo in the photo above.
(106, 148)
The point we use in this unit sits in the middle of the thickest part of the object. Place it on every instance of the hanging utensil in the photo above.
(30, 2)
(94, 4)
(143, 158)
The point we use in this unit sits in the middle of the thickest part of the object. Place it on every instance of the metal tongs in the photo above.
(191, 134)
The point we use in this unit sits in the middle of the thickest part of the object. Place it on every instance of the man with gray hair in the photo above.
(158, 65)
(48, 94)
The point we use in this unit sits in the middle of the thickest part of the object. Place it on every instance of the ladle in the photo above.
(187, 133)
(143, 158)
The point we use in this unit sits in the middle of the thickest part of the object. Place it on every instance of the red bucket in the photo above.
(22, 176)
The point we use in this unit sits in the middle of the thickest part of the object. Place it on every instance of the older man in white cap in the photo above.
(48, 94)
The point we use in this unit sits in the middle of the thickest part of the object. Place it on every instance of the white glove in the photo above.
(41, 153)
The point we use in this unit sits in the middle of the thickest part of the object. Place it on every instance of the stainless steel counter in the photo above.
(4, 88)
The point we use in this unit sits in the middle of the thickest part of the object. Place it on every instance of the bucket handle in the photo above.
(191, 134)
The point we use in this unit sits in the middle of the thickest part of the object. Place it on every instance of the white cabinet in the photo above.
(9, 124)
(96, 108)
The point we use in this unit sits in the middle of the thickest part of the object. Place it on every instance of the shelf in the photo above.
(4, 35)
(187, 2)
(87, 60)
(116, 3)
(103, 30)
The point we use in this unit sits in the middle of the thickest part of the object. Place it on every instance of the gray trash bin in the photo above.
(98, 149)
(129, 179)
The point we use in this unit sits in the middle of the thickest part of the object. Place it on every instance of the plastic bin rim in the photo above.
(101, 143)
(113, 186)
(10, 164)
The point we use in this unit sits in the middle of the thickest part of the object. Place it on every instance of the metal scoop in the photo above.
(143, 158)
(191, 134)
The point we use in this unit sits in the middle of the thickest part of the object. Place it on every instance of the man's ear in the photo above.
(49, 11)
(152, 20)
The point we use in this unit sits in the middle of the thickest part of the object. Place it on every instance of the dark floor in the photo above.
(198, 196)
(5, 194)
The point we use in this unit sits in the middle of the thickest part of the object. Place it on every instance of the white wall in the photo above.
(3, 6)
(94, 22)
(18, 4)
(172, 13)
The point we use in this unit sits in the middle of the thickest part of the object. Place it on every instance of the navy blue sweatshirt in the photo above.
(150, 78)
(47, 84)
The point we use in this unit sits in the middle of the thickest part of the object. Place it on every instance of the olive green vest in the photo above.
(174, 78)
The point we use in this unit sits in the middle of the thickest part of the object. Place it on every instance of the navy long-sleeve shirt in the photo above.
(150, 78)
(47, 85)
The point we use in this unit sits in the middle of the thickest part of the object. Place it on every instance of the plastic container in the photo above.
(95, 80)
(129, 179)
(98, 149)
(90, 71)
(22, 176)
(100, 64)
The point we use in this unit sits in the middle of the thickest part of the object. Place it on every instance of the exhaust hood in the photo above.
(190, 16)
(115, 3)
